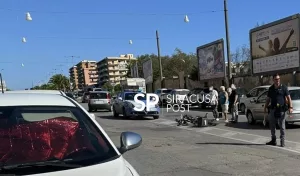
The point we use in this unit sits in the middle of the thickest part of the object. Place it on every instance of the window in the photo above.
(157, 91)
(182, 92)
(130, 96)
(98, 96)
(252, 93)
(295, 94)
(262, 98)
(260, 90)
(64, 133)
(167, 91)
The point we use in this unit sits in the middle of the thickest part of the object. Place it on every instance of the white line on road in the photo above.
(291, 146)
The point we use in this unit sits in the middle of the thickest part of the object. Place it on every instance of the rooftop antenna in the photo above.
(1, 82)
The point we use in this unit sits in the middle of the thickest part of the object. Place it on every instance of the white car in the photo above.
(251, 95)
(255, 110)
(47, 134)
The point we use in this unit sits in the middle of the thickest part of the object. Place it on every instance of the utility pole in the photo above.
(158, 55)
(1, 83)
(227, 43)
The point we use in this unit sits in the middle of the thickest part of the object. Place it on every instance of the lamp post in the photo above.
(2, 89)
(227, 43)
(159, 58)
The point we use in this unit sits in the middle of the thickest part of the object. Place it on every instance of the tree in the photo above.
(108, 87)
(118, 88)
(59, 82)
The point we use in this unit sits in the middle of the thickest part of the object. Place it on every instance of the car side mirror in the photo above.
(248, 95)
(253, 101)
(92, 116)
(120, 98)
(129, 141)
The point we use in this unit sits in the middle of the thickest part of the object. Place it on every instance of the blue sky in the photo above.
(52, 36)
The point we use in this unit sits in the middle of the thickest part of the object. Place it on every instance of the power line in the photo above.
(114, 13)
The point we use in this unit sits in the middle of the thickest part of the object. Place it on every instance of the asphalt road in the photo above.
(232, 149)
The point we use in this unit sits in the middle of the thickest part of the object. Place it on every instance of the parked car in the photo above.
(195, 96)
(177, 96)
(251, 95)
(161, 93)
(255, 110)
(124, 104)
(99, 100)
(51, 134)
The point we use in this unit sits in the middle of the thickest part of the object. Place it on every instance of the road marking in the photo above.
(291, 146)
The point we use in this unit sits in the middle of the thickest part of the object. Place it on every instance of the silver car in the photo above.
(99, 100)
(255, 109)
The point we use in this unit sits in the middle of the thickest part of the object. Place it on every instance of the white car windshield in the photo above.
(31, 134)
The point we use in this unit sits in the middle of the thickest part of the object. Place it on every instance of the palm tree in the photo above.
(60, 82)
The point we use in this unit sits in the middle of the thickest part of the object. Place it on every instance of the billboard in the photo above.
(134, 70)
(147, 71)
(275, 46)
(211, 62)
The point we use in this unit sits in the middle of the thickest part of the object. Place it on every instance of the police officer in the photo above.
(277, 95)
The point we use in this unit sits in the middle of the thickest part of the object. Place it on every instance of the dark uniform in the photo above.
(277, 111)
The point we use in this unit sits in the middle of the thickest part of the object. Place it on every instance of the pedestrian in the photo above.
(233, 104)
(214, 102)
(280, 99)
(229, 90)
(223, 96)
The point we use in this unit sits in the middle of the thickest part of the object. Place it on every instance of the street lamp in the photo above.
(186, 19)
(28, 17)
(24, 40)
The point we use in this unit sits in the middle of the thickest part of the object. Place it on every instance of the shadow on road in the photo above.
(258, 126)
(109, 117)
(245, 125)
(220, 143)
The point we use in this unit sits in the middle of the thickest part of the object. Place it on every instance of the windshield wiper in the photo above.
(55, 163)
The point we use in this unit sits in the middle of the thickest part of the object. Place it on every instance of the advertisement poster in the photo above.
(211, 60)
(147, 71)
(275, 48)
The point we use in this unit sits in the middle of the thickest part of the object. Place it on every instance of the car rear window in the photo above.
(183, 92)
(98, 96)
(295, 94)
(167, 91)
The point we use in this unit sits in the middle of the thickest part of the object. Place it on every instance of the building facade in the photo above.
(74, 77)
(113, 69)
(84, 74)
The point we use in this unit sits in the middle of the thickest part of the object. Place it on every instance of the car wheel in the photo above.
(250, 118)
(243, 108)
(155, 117)
(115, 113)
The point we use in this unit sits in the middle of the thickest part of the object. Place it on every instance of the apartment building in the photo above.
(74, 76)
(86, 73)
(113, 69)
